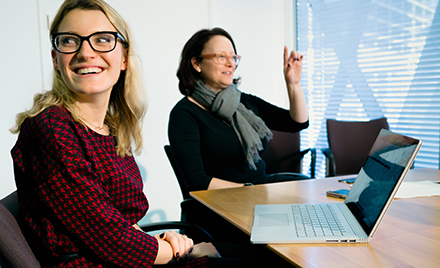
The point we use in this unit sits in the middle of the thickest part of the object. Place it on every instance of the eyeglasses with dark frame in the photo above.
(222, 58)
(68, 43)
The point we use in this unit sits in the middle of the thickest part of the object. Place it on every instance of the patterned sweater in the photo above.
(76, 195)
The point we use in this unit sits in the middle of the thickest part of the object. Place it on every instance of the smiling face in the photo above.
(87, 72)
(216, 76)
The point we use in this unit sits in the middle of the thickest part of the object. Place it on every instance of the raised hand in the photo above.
(292, 66)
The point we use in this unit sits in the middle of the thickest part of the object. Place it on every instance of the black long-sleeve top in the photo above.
(205, 146)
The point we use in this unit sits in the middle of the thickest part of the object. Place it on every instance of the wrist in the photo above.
(248, 184)
(165, 252)
(293, 87)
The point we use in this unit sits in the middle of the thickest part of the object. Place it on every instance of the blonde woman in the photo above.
(79, 188)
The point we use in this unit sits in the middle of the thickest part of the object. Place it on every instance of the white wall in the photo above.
(260, 29)
(20, 75)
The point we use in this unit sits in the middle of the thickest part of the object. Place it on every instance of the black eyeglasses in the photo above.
(68, 43)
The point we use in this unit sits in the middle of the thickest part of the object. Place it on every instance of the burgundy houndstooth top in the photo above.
(76, 195)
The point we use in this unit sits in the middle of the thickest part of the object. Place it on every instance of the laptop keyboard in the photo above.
(316, 221)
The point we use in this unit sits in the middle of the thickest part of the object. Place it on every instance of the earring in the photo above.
(198, 70)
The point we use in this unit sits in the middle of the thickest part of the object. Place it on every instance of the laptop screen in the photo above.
(378, 178)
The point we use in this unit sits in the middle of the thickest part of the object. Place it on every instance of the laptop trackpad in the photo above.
(281, 219)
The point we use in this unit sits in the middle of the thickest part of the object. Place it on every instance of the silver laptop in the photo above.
(358, 217)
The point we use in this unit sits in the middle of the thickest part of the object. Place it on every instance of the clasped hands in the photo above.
(184, 248)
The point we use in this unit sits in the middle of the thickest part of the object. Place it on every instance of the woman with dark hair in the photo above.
(193, 48)
(218, 133)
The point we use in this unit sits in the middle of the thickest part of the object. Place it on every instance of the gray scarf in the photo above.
(250, 128)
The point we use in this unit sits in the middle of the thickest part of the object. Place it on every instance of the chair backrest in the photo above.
(283, 153)
(14, 250)
(351, 142)
(183, 186)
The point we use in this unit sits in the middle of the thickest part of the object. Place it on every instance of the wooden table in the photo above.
(409, 235)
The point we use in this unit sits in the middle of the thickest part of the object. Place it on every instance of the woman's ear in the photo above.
(124, 62)
(54, 59)
(196, 64)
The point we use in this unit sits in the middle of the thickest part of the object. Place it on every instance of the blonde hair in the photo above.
(127, 104)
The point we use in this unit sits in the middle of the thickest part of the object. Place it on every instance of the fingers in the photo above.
(204, 249)
(136, 226)
(295, 56)
(289, 60)
(182, 245)
(285, 57)
(186, 244)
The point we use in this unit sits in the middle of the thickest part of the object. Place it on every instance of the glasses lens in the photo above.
(103, 42)
(221, 58)
(67, 43)
(236, 59)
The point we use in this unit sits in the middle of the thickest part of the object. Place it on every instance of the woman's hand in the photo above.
(181, 245)
(204, 249)
(292, 75)
(136, 226)
(292, 67)
(217, 183)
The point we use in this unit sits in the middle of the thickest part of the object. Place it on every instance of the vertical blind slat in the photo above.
(365, 59)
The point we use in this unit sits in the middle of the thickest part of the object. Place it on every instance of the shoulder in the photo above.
(183, 103)
(51, 126)
(186, 115)
(39, 131)
(185, 106)
(48, 119)
(247, 98)
(253, 102)
(55, 114)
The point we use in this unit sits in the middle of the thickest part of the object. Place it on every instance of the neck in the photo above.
(195, 102)
(93, 115)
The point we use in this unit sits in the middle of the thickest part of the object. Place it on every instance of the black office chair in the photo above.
(349, 144)
(15, 251)
(188, 204)
(183, 186)
(283, 154)
(229, 240)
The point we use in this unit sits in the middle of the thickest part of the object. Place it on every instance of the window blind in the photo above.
(364, 59)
